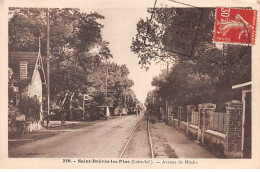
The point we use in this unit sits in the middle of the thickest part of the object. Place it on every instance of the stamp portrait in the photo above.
(236, 26)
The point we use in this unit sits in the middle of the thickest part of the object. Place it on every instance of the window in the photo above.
(23, 69)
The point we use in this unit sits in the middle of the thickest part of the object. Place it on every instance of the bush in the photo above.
(31, 107)
(12, 113)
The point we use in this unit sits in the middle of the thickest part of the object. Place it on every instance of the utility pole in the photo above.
(125, 97)
(121, 99)
(153, 99)
(128, 101)
(106, 78)
(166, 103)
(48, 67)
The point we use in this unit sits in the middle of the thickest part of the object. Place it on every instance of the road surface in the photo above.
(107, 139)
(102, 139)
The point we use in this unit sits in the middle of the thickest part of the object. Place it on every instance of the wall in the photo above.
(226, 144)
(193, 131)
(215, 141)
(183, 127)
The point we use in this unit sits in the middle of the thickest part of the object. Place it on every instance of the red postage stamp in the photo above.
(235, 26)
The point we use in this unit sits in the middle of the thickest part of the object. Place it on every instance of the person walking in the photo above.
(138, 112)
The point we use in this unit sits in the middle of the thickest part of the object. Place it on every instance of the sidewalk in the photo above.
(170, 143)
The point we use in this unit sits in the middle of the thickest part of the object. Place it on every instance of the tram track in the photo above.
(150, 138)
(146, 136)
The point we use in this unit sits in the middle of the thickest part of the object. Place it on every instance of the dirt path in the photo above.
(170, 143)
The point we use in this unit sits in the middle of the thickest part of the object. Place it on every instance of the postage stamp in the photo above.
(235, 26)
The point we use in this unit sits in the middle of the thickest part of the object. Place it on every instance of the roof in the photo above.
(242, 86)
(16, 57)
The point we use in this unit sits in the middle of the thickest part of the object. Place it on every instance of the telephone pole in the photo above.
(166, 102)
(48, 67)
(106, 78)
(125, 96)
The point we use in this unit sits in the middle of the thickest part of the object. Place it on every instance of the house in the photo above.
(29, 76)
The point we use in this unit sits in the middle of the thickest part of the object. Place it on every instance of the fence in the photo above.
(183, 114)
(218, 131)
(217, 121)
(195, 118)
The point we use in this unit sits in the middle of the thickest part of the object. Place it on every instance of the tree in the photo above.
(79, 55)
(208, 72)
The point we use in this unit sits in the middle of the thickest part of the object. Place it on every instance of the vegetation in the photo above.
(202, 71)
(31, 108)
(79, 57)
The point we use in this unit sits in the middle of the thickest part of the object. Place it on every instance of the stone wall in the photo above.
(193, 132)
(215, 141)
(183, 127)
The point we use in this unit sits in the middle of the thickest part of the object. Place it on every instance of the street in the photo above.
(104, 139)
(107, 139)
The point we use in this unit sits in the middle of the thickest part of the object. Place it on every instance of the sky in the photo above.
(120, 22)
(119, 29)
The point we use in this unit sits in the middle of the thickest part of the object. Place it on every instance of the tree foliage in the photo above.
(203, 71)
(79, 56)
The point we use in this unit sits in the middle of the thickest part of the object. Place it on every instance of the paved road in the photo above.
(104, 139)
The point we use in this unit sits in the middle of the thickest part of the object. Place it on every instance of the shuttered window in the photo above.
(23, 69)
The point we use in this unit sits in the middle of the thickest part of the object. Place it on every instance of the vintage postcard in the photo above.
(129, 84)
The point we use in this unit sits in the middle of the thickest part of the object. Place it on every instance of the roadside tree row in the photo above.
(79, 62)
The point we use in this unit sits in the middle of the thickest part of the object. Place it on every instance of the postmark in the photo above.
(181, 30)
(235, 26)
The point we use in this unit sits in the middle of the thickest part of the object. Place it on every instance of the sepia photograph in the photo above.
(107, 85)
